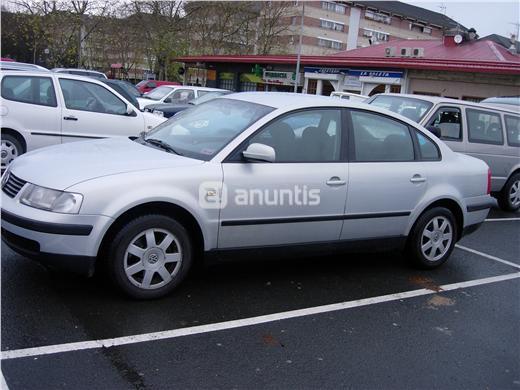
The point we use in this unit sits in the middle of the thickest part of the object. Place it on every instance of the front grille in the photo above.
(13, 185)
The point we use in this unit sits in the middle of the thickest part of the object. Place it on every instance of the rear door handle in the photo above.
(70, 118)
(336, 181)
(418, 179)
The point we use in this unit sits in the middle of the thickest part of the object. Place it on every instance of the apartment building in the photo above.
(332, 26)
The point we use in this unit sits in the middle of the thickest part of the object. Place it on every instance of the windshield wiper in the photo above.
(161, 144)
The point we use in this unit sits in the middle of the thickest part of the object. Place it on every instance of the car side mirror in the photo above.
(434, 130)
(130, 110)
(168, 100)
(259, 152)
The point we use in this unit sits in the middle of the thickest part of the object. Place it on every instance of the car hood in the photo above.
(62, 166)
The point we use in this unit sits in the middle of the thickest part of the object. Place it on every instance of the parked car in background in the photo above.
(174, 94)
(168, 110)
(487, 132)
(509, 102)
(349, 96)
(13, 65)
(148, 85)
(81, 72)
(144, 208)
(128, 90)
(46, 108)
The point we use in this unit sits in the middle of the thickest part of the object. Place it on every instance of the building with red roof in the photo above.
(454, 66)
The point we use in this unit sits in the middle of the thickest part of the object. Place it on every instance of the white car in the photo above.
(46, 108)
(173, 94)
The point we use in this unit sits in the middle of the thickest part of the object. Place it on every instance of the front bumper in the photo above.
(64, 241)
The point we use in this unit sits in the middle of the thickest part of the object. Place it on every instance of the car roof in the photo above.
(444, 100)
(77, 70)
(283, 99)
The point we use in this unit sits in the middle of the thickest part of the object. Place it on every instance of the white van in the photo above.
(487, 132)
(46, 108)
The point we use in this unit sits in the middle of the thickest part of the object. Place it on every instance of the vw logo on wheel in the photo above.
(153, 258)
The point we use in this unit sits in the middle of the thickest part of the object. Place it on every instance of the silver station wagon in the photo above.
(489, 133)
(240, 173)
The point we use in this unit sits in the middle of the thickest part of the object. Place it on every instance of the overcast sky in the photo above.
(488, 17)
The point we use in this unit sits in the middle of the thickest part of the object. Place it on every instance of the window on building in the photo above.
(378, 138)
(378, 17)
(329, 24)
(330, 6)
(427, 30)
(312, 86)
(29, 89)
(226, 84)
(449, 121)
(377, 35)
(330, 44)
(513, 130)
(484, 127)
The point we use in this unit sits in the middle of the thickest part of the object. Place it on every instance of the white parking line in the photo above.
(487, 256)
(169, 334)
(501, 219)
(3, 383)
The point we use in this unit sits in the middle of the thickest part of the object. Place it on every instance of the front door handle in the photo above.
(70, 118)
(417, 179)
(336, 181)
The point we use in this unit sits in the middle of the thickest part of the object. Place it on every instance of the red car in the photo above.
(147, 85)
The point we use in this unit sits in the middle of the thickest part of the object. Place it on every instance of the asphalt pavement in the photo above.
(348, 321)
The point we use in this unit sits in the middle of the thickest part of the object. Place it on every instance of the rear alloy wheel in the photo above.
(433, 238)
(150, 256)
(11, 148)
(509, 197)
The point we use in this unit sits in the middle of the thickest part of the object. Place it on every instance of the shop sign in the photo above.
(326, 70)
(352, 82)
(377, 76)
(226, 76)
(280, 78)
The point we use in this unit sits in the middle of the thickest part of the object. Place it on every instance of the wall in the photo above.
(460, 85)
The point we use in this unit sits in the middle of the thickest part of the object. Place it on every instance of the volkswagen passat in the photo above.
(238, 173)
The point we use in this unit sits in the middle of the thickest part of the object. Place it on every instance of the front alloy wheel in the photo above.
(150, 256)
(11, 148)
(152, 259)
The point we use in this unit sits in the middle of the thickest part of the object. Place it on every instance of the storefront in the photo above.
(322, 81)
(471, 70)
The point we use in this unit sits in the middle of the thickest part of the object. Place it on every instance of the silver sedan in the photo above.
(240, 173)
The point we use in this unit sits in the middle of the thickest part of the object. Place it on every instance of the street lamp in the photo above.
(297, 78)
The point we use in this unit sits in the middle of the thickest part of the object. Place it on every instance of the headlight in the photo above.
(158, 113)
(51, 200)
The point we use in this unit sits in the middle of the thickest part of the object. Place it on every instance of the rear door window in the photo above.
(484, 127)
(449, 121)
(29, 89)
(378, 138)
(513, 130)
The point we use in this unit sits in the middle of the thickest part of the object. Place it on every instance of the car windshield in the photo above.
(414, 109)
(202, 131)
(158, 93)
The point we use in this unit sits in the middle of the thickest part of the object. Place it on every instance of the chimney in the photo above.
(512, 49)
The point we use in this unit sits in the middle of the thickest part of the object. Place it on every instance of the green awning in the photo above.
(250, 78)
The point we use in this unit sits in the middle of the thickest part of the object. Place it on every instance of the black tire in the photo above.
(14, 145)
(416, 239)
(119, 258)
(504, 197)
